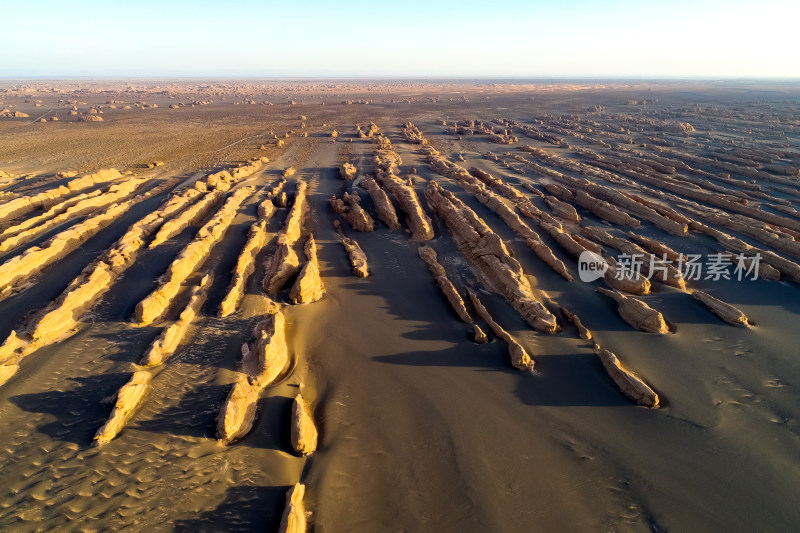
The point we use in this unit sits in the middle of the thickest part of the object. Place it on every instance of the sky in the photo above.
(707, 39)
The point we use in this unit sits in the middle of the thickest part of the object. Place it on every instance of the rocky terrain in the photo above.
(240, 306)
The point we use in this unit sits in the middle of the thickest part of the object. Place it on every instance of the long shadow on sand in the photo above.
(79, 411)
(243, 509)
(193, 416)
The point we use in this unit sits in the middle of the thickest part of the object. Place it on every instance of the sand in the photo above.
(420, 428)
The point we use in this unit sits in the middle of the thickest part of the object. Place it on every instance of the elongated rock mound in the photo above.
(280, 266)
(61, 317)
(358, 259)
(308, 287)
(245, 266)
(157, 303)
(262, 363)
(304, 430)
(637, 313)
(428, 255)
(383, 206)
(294, 513)
(519, 357)
(632, 386)
(406, 197)
(237, 416)
(583, 332)
(128, 399)
(268, 355)
(725, 311)
(192, 215)
(169, 340)
(349, 206)
(490, 257)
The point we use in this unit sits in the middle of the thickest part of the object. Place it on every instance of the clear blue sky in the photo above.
(613, 38)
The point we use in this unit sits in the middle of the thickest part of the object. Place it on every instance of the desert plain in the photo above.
(356, 305)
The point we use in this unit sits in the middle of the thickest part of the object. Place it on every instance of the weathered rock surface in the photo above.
(383, 206)
(84, 204)
(487, 197)
(245, 266)
(637, 313)
(308, 287)
(583, 332)
(428, 255)
(490, 257)
(348, 171)
(725, 311)
(478, 335)
(562, 209)
(349, 206)
(304, 430)
(630, 385)
(17, 269)
(262, 362)
(652, 266)
(61, 317)
(406, 197)
(169, 340)
(189, 217)
(358, 259)
(294, 513)
(25, 204)
(280, 266)
(128, 398)
(157, 303)
(519, 357)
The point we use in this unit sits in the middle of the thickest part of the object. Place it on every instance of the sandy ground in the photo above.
(421, 429)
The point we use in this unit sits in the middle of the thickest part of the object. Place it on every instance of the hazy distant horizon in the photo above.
(620, 39)
(456, 79)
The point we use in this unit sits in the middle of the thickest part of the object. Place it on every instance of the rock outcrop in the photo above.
(562, 209)
(487, 197)
(651, 266)
(42, 200)
(81, 205)
(128, 399)
(519, 357)
(294, 513)
(281, 266)
(304, 430)
(490, 257)
(192, 215)
(478, 336)
(637, 313)
(630, 385)
(406, 197)
(349, 206)
(383, 206)
(19, 268)
(358, 259)
(262, 362)
(583, 332)
(61, 317)
(167, 343)
(154, 306)
(245, 266)
(725, 311)
(308, 287)
(348, 171)
(428, 255)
